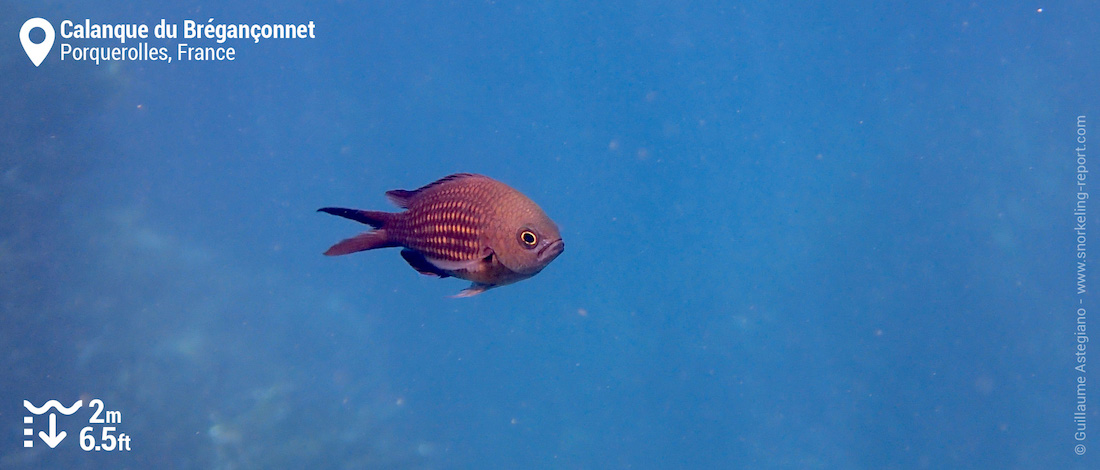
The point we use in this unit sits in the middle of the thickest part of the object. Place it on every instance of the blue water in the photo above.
(805, 235)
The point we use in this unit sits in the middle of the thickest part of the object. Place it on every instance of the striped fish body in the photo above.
(468, 226)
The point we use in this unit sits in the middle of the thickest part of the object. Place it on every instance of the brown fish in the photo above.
(468, 226)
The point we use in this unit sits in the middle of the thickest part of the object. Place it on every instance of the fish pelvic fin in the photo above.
(375, 219)
(362, 242)
(474, 289)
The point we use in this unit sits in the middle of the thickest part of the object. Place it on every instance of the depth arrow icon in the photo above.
(53, 438)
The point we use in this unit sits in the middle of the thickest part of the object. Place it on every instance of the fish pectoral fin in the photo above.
(483, 261)
(421, 264)
(474, 289)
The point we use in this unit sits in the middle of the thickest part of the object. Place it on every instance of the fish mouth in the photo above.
(552, 250)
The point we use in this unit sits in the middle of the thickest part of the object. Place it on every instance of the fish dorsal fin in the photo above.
(402, 197)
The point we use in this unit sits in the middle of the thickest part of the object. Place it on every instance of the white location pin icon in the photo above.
(37, 52)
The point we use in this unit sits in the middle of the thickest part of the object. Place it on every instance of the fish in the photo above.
(466, 226)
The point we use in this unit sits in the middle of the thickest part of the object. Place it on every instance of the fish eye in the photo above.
(528, 238)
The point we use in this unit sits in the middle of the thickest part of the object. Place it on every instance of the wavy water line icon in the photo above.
(53, 404)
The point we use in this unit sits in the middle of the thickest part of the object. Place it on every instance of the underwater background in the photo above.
(800, 234)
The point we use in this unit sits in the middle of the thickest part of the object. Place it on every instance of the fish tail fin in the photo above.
(362, 242)
(375, 219)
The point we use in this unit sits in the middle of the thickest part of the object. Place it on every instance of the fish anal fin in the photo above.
(472, 264)
(420, 264)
